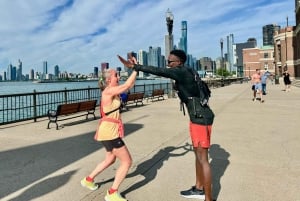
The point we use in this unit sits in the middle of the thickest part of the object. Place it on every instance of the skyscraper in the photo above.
(19, 71)
(56, 71)
(95, 74)
(143, 60)
(9, 72)
(45, 67)
(31, 74)
(268, 33)
(183, 40)
(230, 53)
(154, 57)
(142, 57)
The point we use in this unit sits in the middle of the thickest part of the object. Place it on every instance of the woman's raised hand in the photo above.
(128, 63)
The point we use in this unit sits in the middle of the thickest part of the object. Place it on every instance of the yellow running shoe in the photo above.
(114, 197)
(88, 184)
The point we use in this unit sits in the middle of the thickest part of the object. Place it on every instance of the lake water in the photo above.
(28, 87)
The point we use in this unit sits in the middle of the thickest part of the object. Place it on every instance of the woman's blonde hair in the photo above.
(103, 80)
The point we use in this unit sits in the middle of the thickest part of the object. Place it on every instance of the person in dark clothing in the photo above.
(287, 81)
(200, 134)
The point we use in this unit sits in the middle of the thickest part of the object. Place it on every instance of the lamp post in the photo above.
(287, 24)
(169, 19)
(169, 37)
(222, 60)
(169, 45)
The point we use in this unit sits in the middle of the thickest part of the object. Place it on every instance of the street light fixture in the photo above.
(222, 60)
(169, 19)
(169, 44)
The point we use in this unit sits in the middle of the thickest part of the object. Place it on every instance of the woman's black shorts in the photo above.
(111, 144)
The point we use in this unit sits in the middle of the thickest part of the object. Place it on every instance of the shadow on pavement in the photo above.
(219, 163)
(23, 166)
(149, 167)
(44, 187)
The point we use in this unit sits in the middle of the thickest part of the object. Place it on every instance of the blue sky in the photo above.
(80, 34)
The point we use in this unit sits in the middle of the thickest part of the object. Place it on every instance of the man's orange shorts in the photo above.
(200, 135)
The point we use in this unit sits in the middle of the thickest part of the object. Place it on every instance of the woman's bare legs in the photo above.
(125, 163)
(110, 158)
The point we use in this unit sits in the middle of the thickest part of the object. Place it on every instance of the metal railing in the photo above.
(31, 106)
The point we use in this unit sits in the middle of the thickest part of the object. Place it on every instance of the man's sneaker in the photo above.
(193, 193)
(88, 184)
(114, 197)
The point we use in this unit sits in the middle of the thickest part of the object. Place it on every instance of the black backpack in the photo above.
(204, 91)
(198, 108)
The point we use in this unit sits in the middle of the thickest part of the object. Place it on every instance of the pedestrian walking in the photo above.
(287, 81)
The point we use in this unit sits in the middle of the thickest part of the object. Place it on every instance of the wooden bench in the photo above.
(134, 98)
(84, 108)
(157, 93)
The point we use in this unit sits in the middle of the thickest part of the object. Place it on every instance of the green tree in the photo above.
(223, 72)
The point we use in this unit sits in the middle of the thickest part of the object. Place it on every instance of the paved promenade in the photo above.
(255, 152)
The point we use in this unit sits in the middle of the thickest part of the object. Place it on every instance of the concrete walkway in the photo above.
(254, 153)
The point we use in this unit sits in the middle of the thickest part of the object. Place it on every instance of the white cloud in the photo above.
(78, 35)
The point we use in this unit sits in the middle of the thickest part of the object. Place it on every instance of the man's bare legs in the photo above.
(203, 172)
(260, 95)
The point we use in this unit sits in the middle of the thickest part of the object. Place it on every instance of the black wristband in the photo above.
(134, 68)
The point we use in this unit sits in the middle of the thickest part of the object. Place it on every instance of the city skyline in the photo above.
(79, 35)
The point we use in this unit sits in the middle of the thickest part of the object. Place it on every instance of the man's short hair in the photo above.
(180, 54)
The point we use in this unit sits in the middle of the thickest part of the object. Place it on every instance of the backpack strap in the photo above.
(107, 113)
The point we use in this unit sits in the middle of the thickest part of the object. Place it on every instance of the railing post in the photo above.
(89, 93)
(66, 96)
(34, 106)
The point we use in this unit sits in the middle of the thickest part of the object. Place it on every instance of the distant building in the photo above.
(183, 40)
(142, 57)
(154, 57)
(31, 74)
(268, 33)
(230, 53)
(9, 72)
(258, 58)
(104, 66)
(4, 76)
(95, 74)
(45, 68)
(143, 60)
(19, 71)
(251, 43)
(206, 64)
(284, 51)
(296, 41)
(56, 71)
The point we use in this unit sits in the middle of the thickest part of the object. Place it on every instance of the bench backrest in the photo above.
(139, 95)
(67, 108)
(135, 96)
(157, 92)
(87, 105)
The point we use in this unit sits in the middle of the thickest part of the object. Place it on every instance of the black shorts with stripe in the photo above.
(111, 144)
